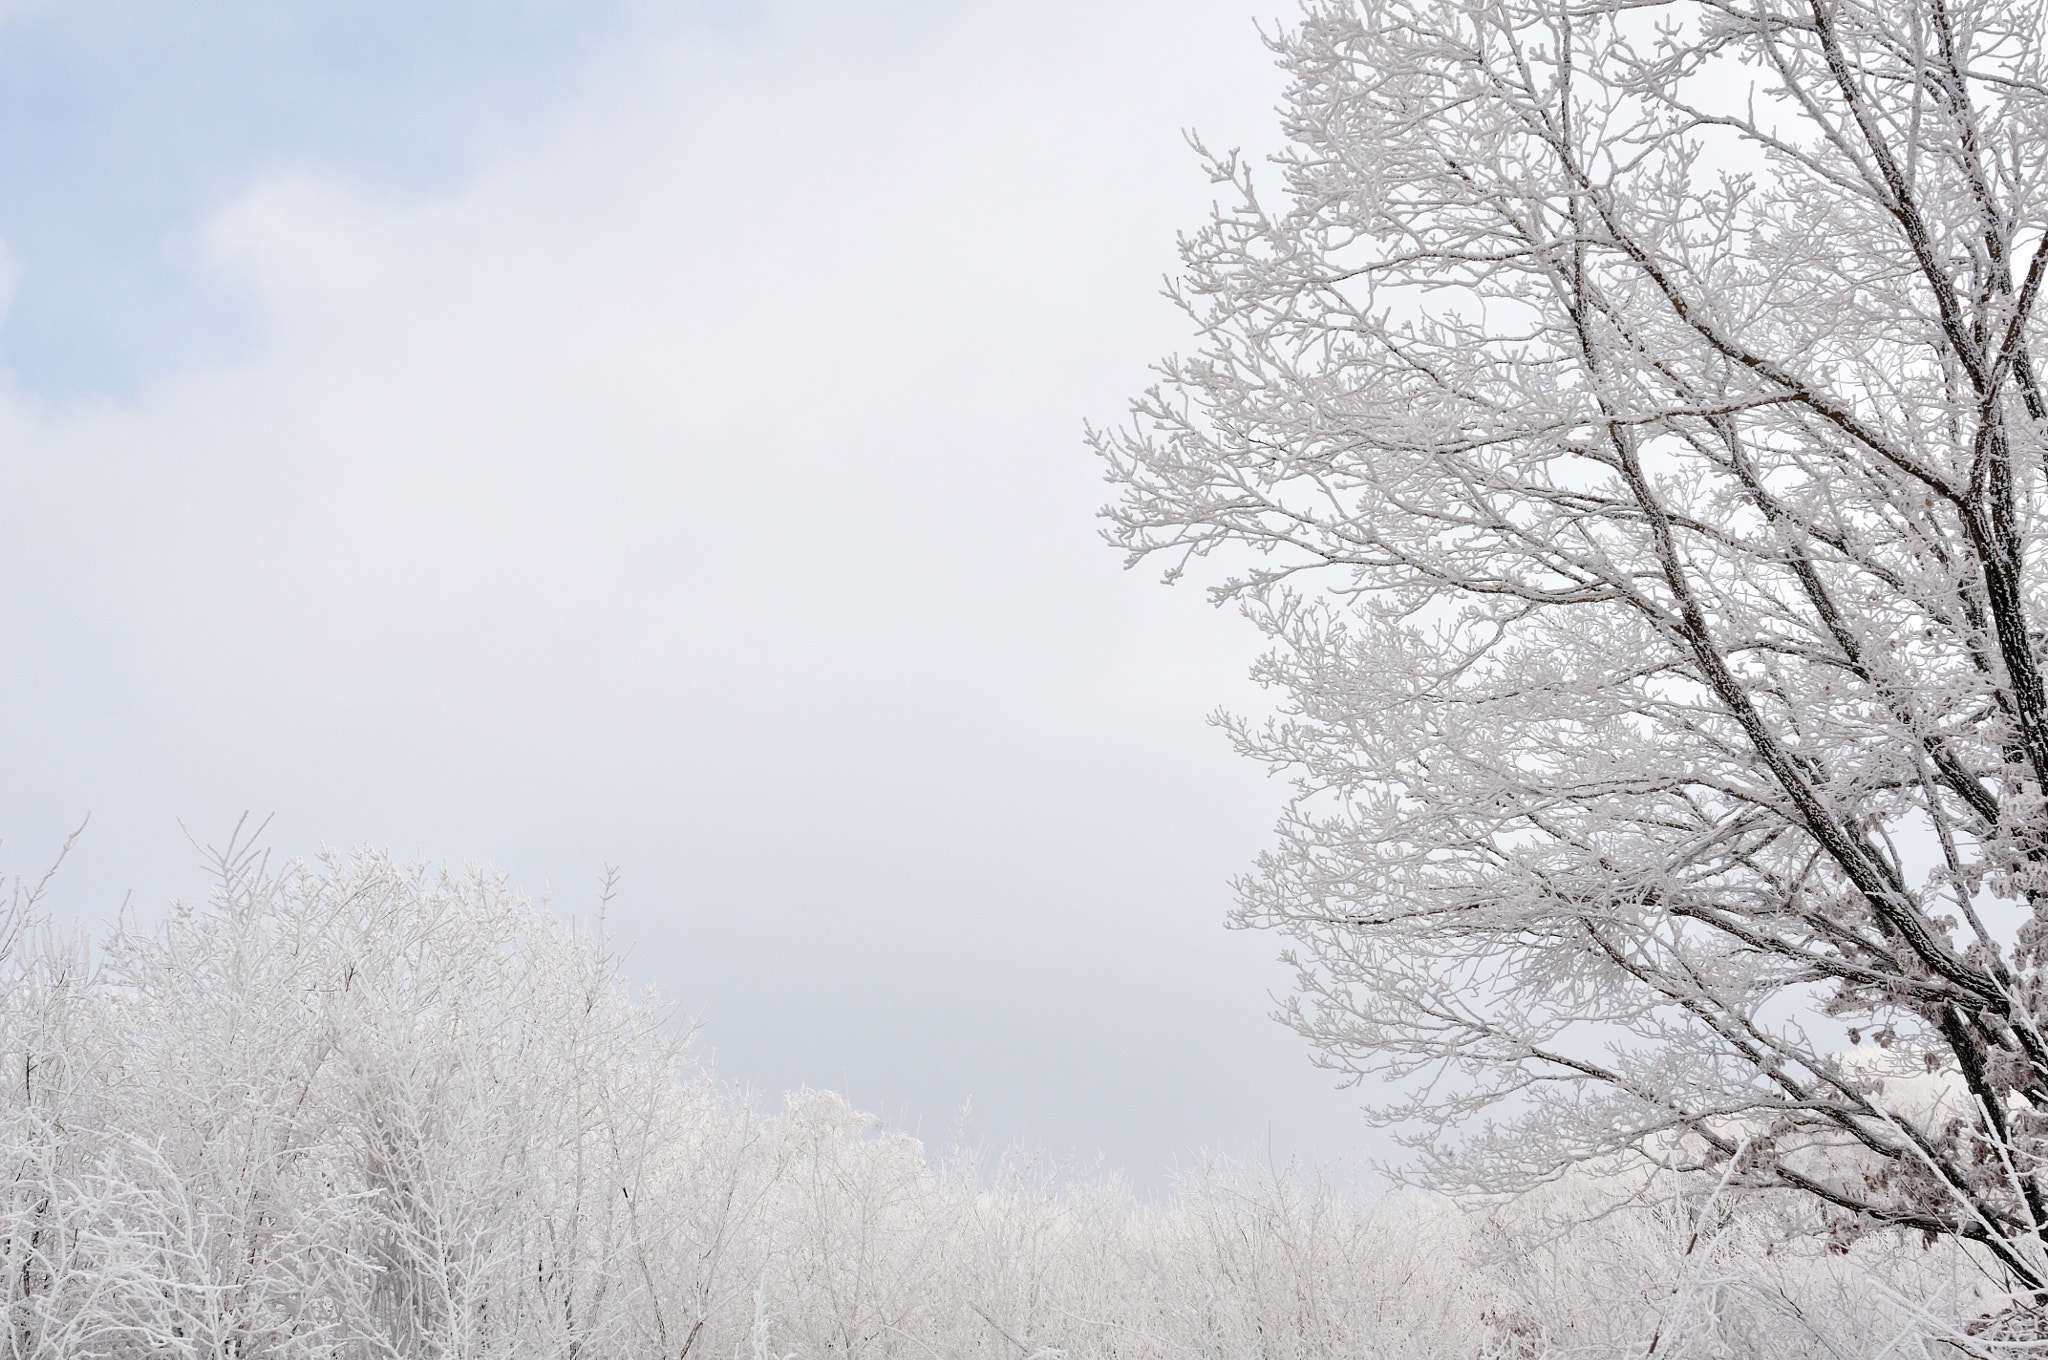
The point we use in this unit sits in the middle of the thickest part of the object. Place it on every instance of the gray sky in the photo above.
(560, 435)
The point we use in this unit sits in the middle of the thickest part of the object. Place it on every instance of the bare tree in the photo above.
(1631, 417)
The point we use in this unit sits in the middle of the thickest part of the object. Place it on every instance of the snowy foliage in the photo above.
(363, 1109)
(1626, 428)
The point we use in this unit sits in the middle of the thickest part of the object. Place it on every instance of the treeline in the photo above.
(363, 1109)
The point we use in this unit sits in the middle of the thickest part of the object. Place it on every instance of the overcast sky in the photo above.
(566, 434)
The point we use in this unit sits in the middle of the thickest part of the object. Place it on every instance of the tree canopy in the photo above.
(1624, 424)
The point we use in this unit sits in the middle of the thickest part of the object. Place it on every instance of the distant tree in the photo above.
(359, 1109)
(1631, 415)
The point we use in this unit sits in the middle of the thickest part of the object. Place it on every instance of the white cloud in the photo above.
(701, 488)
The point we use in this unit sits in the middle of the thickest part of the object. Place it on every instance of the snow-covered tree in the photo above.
(1625, 425)
(358, 1109)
